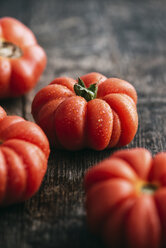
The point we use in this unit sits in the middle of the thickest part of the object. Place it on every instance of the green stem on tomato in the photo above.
(149, 188)
(9, 49)
(87, 93)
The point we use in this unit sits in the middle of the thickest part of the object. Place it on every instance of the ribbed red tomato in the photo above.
(22, 60)
(126, 199)
(24, 152)
(94, 112)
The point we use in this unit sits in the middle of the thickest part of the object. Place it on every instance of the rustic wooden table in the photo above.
(119, 38)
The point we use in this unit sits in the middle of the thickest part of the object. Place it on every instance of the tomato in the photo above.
(93, 112)
(24, 152)
(22, 60)
(126, 199)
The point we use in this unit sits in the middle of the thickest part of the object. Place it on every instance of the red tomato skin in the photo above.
(70, 122)
(127, 113)
(99, 124)
(158, 172)
(116, 130)
(16, 176)
(114, 225)
(137, 219)
(103, 198)
(143, 224)
(65, 81)
(48, 94)
(20, 75)
(92, 78)
(3, 176)
(107, 121)
(160, 199)
(24, 152)
(46, 120)
(5, 72)
(108, 169)
(117, 86)
(135, 158)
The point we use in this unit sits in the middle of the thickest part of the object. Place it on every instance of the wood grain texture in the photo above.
(117, 38)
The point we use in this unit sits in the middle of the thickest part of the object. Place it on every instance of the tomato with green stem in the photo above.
(93, 112)
(126, 199)
(22, 60)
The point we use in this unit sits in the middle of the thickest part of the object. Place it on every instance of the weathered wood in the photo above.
(117, 38)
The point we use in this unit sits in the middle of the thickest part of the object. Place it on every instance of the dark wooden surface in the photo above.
(119, 38)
